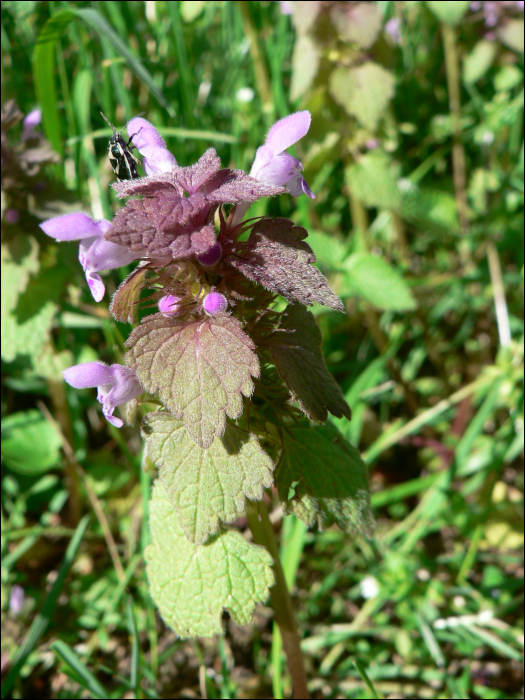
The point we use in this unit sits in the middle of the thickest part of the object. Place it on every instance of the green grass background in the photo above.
(432, 605)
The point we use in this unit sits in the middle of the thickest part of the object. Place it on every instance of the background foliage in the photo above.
(416, 158)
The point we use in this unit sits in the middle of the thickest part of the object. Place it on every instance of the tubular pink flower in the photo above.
(95, 253)
(31, 121)
(116, 384)
(276, 167)
(215, 303)
(156, 158)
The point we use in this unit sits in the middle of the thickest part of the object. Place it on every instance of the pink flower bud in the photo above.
(215, 304)
(169, 306)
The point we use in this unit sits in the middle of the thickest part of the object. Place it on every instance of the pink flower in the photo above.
(95, 253)
(156, 158)
(276, 167)
(116, 384)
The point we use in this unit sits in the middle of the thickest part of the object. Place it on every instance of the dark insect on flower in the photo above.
(122, 160)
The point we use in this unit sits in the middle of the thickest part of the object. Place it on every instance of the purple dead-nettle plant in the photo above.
(239, 376)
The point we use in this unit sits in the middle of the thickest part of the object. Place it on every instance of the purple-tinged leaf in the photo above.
(173, 218)
(200, 369)
(162, 227)
(277, 257)
(300, 363)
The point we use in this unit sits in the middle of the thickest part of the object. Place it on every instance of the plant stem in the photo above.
(259, 66)
(58, 398)
(281, 602)
(454, 99)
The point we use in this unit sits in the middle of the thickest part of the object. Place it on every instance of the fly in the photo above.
(122, 160)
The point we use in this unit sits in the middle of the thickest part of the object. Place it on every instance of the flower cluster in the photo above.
(191, 270)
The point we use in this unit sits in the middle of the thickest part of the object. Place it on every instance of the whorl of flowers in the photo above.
(202, 267)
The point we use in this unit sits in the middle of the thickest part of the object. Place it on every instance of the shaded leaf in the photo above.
(322, 478)
(200, 369)
(191, 584)
(378, 282)
(206, 486)
(364, 92)
(300, 363)
(30, 445)
(277, 257)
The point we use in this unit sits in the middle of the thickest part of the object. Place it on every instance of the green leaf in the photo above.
(330, 479)
(450, 12)
(435, 209)
(296, 352)
(192, 583)
(364, 92)
(329, 249)
(511, 34)
(370, 179)
(191, 9)
(357, 23)
(44, 65)
(478, 61)
(30, 445)
(206, 486)
(200, 369)
(305, 64)
(378, 282)
(41, 621)
(27, 335)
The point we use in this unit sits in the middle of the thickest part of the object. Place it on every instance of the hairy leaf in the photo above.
(321, 477)
(300, 363)
(277, 257)
(163, 226)
(192, 583)
(124, 305)
(199, 368)
(173, 218)
(206, 486)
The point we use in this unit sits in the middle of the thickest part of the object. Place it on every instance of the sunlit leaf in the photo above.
(206, 486)
(192, 583)
(199, 368)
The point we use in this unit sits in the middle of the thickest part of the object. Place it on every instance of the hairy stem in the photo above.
(281, 602)
(454, 98)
